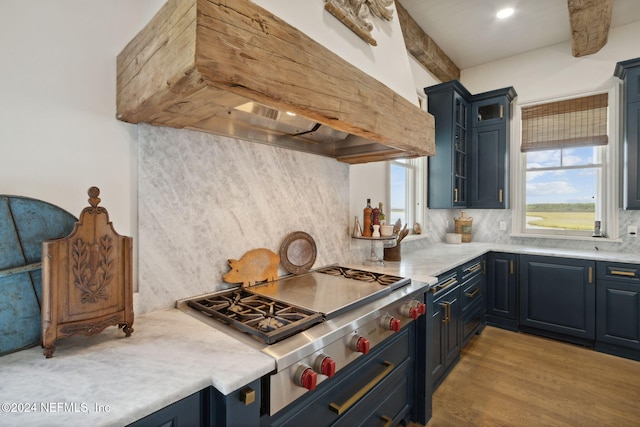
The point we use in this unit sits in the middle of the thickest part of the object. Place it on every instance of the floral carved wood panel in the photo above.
(355, 15)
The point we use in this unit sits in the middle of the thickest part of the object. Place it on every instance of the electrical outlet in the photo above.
(503, 225)
(632, 231)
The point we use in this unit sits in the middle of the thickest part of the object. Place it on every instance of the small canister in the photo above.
(463, 226)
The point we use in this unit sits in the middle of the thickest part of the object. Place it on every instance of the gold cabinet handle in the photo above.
(501, 111)
(341, 409)
(484, 267)
(455, 195)
(247, 396)
(510, 266)
(444, 314)
(387, 421)
(445, 285)
(475, 268)
(590, 275)
(500, 195)
(472, 294)
(623, 273)
(448, 312)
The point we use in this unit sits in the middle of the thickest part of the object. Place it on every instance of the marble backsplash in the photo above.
(203, 199)
(486, 228)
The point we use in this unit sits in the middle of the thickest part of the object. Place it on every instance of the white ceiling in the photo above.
(470, 34)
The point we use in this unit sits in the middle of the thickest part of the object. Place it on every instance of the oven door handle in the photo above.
(341, 409)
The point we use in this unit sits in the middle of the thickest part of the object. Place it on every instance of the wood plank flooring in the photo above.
(510, 379)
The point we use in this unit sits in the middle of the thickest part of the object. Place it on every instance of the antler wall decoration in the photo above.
(355, 14)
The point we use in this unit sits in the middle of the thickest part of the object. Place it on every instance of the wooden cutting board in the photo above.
(24, 224)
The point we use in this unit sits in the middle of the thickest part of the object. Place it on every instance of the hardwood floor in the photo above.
(510, 379)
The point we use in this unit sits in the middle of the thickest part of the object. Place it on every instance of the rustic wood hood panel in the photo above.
(199, 59)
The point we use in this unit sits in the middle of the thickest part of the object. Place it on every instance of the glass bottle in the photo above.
(366, 223)
(381, 215)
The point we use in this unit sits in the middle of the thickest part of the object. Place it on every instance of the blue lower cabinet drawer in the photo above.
(386, 404)
(473, 321)
(353, 393)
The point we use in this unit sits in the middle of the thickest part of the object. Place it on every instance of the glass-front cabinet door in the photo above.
(460, 152)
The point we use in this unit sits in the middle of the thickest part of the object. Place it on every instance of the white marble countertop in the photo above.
(172, 355)
(425, 264)
(110, 380)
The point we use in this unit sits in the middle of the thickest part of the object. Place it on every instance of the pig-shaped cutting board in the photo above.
(257, 265)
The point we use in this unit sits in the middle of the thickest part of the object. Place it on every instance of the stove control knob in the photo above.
(390, 323)
(360, 344)
(325, 365)
(305, 377)
(413, 309)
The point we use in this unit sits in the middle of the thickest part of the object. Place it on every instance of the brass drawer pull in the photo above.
(473, 293)
(387, 421)
(475, 268)
(623, 273)
(500, 196)
(445, 315)
(455, 195)
(444, 285)
(341, 409)
(590, 275)
(511, 267)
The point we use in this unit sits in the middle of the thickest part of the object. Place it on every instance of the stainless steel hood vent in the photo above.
(284, 123)
(234, 69)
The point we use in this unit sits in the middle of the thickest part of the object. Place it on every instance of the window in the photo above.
(565, 171)
(406, 191)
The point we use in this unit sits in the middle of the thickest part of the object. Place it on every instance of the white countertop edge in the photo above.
(169, 356)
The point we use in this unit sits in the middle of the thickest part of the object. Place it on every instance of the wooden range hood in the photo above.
(197, 61)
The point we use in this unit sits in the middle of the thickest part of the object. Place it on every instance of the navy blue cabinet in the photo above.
(471, 165)
(449, 104)
(502, 290)
(445, 338)
(489, 150)
(618, 309)
(473, 290)
(557, 297)
(629, 72)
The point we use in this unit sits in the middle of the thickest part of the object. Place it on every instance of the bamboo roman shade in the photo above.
(574, 122)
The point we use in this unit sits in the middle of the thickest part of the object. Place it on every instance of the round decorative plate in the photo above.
(298, 252)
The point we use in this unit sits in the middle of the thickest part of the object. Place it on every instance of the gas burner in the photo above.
(267, 319)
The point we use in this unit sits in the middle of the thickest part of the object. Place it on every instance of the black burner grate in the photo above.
(267, 319)
(361, 275)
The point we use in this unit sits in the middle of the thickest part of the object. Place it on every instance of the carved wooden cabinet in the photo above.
(86, 279)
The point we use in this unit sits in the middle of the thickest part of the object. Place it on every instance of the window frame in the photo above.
(607, 185)
(415, 196)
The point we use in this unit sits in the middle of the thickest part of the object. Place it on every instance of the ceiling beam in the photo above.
(425, 50)
(590, 21)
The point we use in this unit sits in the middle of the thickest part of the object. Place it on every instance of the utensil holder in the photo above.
(392, 254)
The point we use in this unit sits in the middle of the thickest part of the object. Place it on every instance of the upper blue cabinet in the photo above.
(629, 72)
(471, 165)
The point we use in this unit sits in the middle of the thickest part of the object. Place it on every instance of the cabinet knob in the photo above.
(247, 396)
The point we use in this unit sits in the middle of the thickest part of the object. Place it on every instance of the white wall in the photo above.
(58, 132)
(553, 72)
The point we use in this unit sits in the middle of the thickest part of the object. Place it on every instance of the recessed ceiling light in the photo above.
(504, 13)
